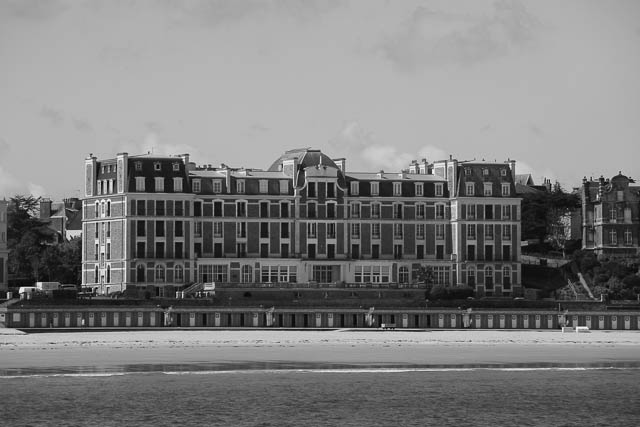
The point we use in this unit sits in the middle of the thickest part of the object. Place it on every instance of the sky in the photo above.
(553, 84)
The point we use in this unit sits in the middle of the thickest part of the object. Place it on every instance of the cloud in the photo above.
(56, 117)
(153, 143)
(82, 125)
(10, 185)
(35, 10)
(433, 38)
(365, 153)
(36, 190)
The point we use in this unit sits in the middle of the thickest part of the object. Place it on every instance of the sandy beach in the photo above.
(441, 347)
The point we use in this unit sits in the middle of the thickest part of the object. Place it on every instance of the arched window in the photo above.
(95, 277)
(160, 273)
(96, 212)
(471, 277)
(108, 207)
(108, 274)
(247, 274)
(403, 275)
(179, 273)
(488, 277)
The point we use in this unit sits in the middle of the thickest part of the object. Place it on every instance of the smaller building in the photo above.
(65, 217)
(611, 216)
(4, 252)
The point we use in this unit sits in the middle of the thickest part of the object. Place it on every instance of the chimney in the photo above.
(45, 209)
(512, 166)
(342, 164)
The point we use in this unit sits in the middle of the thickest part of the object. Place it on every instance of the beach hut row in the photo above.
(129, 317)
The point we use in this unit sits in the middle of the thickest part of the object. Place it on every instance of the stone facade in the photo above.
(4, 253)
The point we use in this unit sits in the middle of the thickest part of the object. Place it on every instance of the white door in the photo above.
(525, 321)
(614, 322)
(627, 322)
(318, 320)
(537, 321)
(92, 320)
(502, 321)
(128, 320)
(490, 321)
(67, 320)
(116, 319)
(216, 317)
(330, 320)
(405, 320)
(440, 320)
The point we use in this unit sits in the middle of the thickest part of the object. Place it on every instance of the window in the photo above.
(488, 189)
(140, 228)
(264, 186)
(138, 166)
(139, 183)
(620, 196)
(506, 252)
(506, 212)
(439, 189)
(506, 189)
(375, 210)
(179, 229)
(217, 186)
(108, 250)
(471, 252)
(196, 185)
(240, 186)
(331, 190)
(159, 249)
(419, 189)
(403, 275)
(503, 172)
(470, 189)
(397, 189)
(197, 231)
(178, 273)
(311, 189)
(372, 274)
(397, 231)
(212, 273)
(177, 184)
(488, 211)
(157, 166)
(355, 231)
(284, 186)
(355, 188)
(331, 210)
(217, 229)
(375, 230)
(613, 237)
(506, 278)
(420, 231)
(488, 231)
(264, 209)
(159, 207)
(176, 167)
(140, 250)
(375, 188)
(247, 274)
(284, 230)
(312, 230)
(439, 231)
(397, 251)
(284, 209)
(241, 209)
(241, 229)
(471, 277)
(488, 277)
(485, 172)
(331, 230)
(264, 229)
(178, 251)
(311, 210)
(108, 207)
(506, 232)
(628, 237)
(420, 210)
(471, 211)
(397, 210)
(159, 273)
(471, 231)
(439, 211)
(159, 228)
(355, 210)
(467, 171)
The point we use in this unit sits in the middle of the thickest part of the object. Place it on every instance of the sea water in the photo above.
(310, 395)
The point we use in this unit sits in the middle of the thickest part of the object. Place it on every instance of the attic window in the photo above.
(138, 166)
(467, 171)
(485, 172)
(176, 166)
(157, 166)
(503, 172)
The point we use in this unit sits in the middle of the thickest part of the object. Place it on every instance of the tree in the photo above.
(28, 237)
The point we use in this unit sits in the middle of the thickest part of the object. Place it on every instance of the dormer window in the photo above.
(503, 172)
(196, 185)
(397, 189)
(264, 186)
(240, 186)
(157, 166)
(467, 171)
(470, 189)
(138, 166)
(375, 188)
(485, 172)
(506, 189)
(439, 189)
(217, 186)
(355, 188)
(419, 189)
(176, 167)
(488, 189)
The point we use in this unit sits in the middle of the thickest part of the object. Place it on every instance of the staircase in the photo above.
(196, 287)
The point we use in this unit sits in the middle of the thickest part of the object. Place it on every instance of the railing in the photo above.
(315, 285)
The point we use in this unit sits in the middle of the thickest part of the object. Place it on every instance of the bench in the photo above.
(582, 329)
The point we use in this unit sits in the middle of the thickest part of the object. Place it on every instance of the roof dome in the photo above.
(307, 158)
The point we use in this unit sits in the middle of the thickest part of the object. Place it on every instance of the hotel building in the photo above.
(161, 222)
